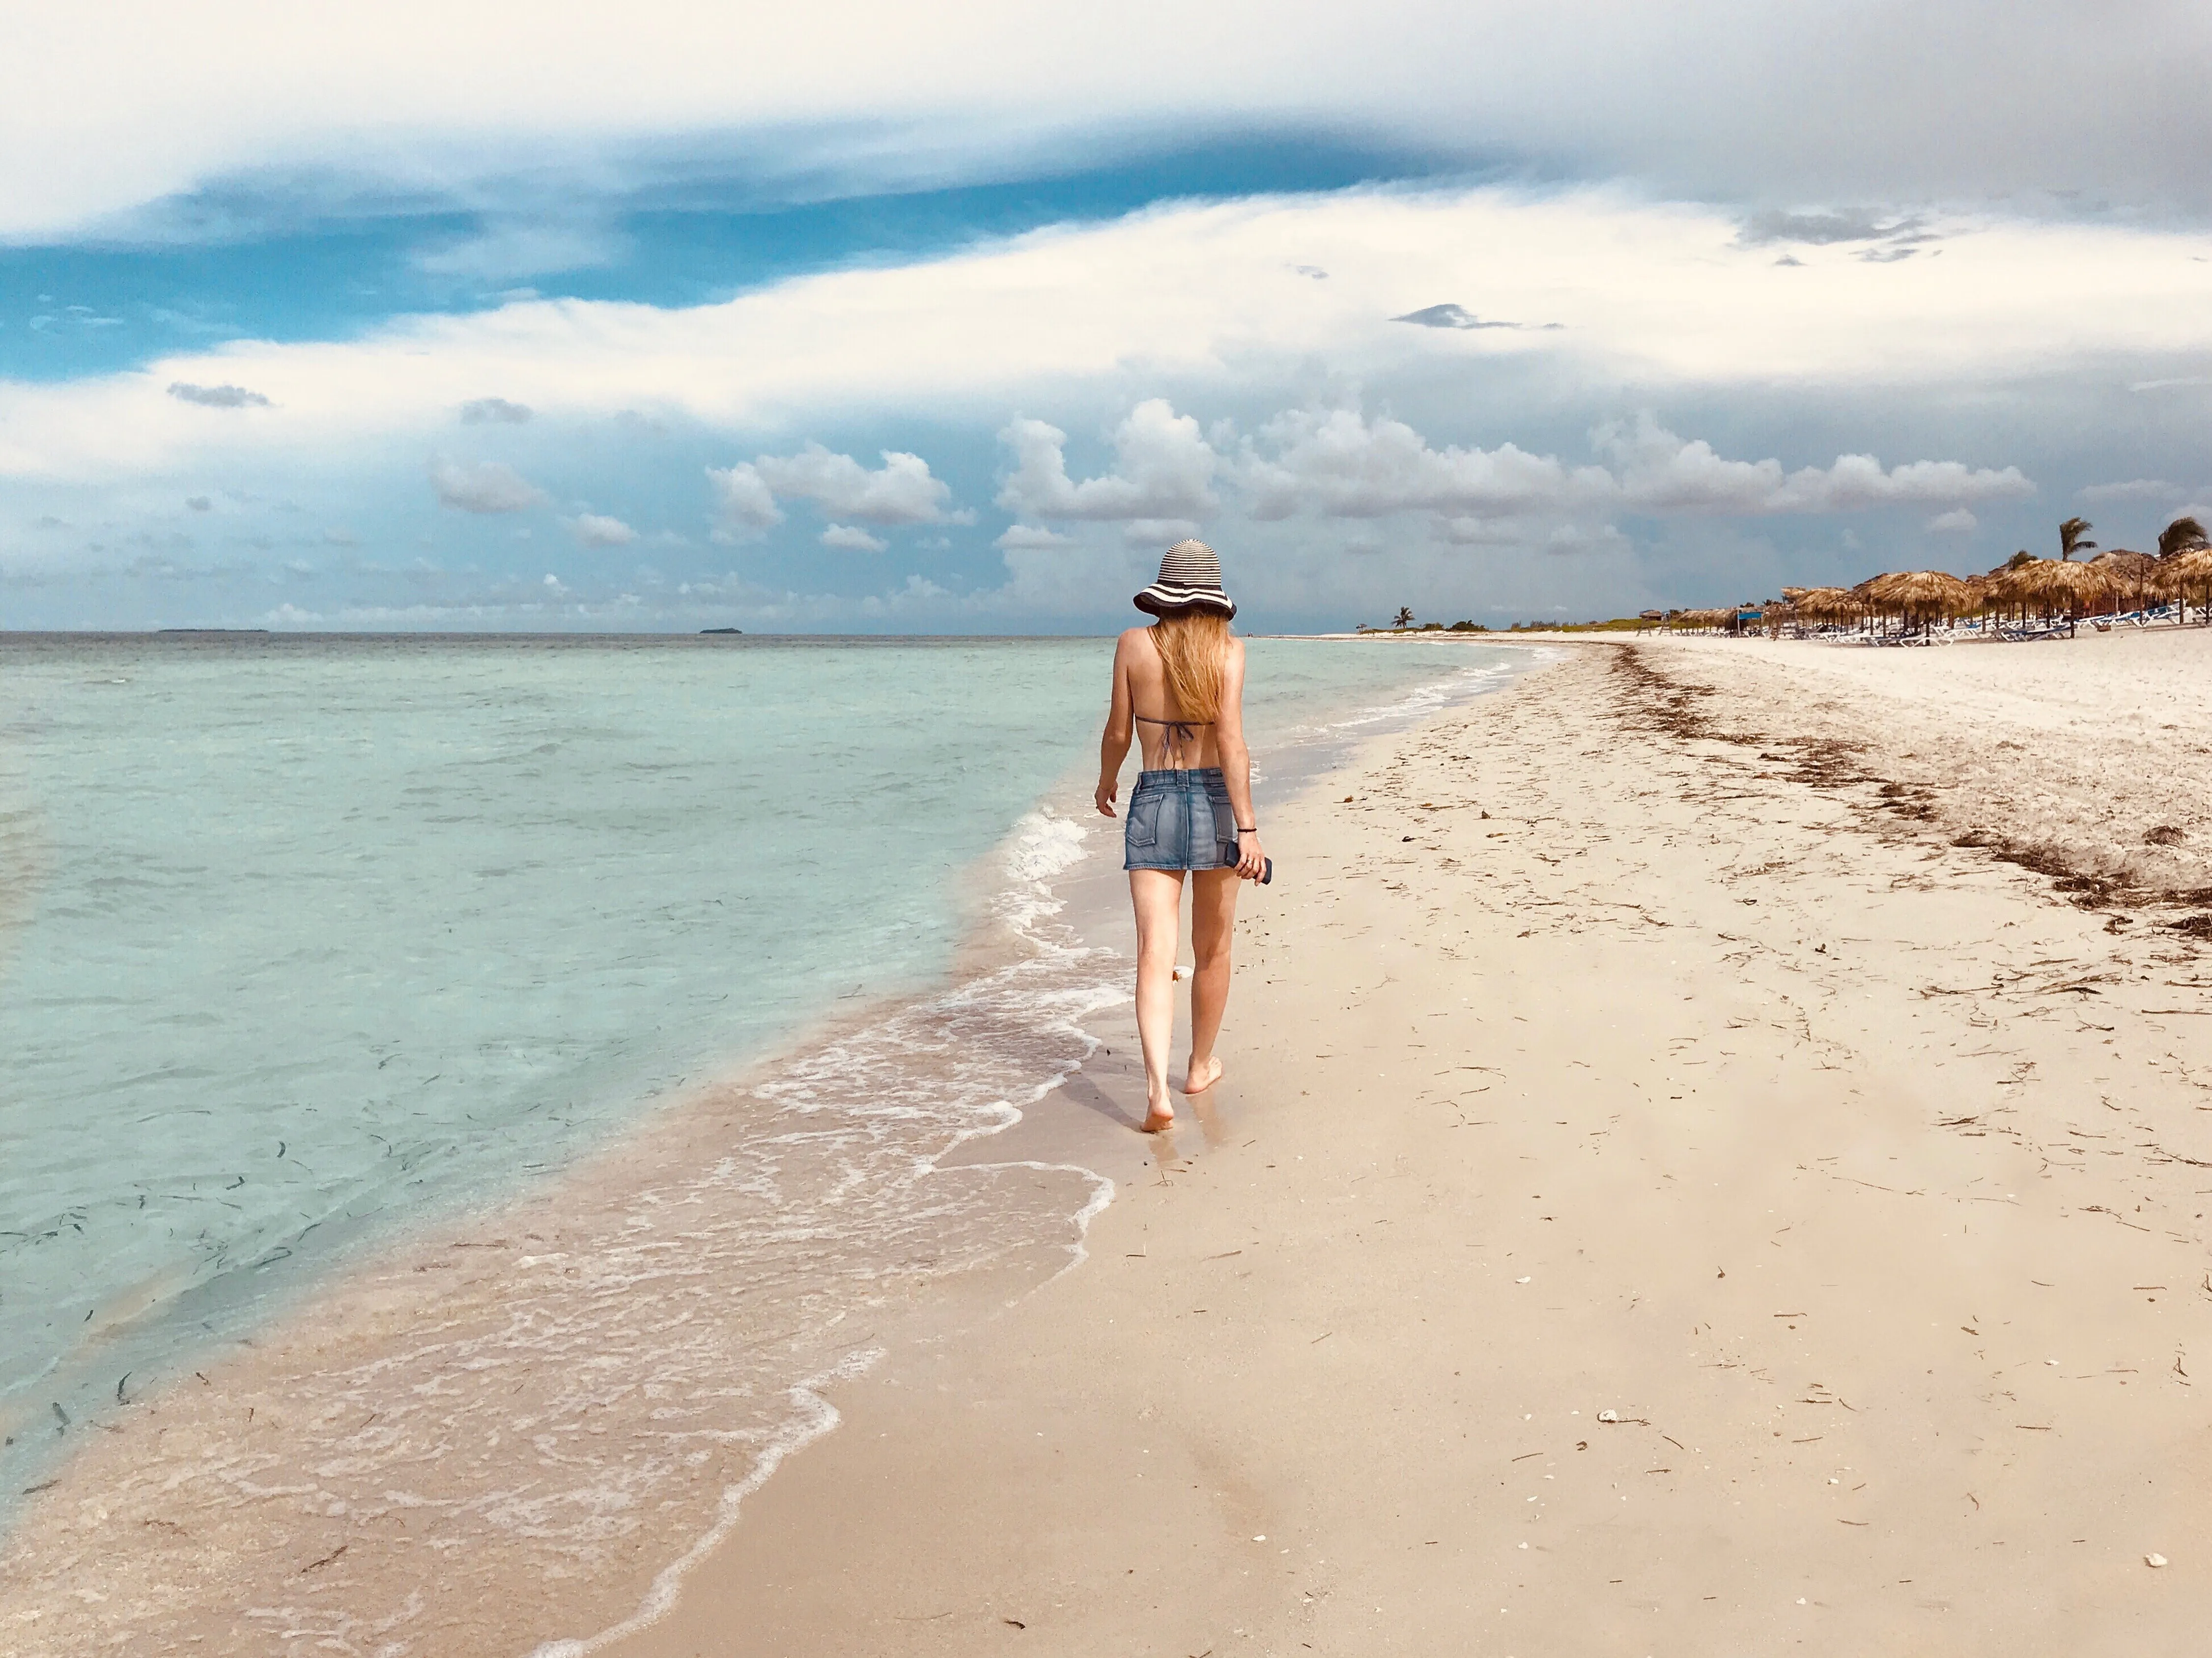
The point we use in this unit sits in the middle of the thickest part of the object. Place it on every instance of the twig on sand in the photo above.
(2100, 1209)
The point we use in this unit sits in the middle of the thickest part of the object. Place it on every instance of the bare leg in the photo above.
(1212, 929)
(1157, 895)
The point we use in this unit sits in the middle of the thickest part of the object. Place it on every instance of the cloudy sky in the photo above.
(862, 317)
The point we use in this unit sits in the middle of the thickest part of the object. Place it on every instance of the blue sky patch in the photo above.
(255, 271)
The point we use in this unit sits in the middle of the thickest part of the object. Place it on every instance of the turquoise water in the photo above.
(301, 939)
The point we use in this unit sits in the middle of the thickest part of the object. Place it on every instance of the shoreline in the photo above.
(354, 1339)
(318, 1354)
(1426, 1333)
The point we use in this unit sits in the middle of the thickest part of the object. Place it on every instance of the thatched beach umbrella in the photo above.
(2000, 591)
(1865, 600)
(1924, 593)
(1918, 595)
(1824, 604)
(2062, 587)
(2012, 591)
(2187, 574)
(2134, 575)
(2085, 586)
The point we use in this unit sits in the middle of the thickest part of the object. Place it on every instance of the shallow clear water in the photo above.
(301, 939)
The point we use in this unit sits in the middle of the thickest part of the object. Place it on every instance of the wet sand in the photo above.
(1667, 1197)
(573, 1386)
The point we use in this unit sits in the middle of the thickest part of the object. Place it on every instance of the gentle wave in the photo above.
(616, 1372)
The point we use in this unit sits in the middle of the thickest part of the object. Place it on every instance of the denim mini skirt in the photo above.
(1180, 820)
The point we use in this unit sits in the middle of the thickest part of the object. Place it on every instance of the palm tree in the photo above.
(2074, 537)
(2184, 535)
(2180, 537)
(1405, 617)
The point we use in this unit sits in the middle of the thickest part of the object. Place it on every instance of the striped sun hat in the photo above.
(1190, 580)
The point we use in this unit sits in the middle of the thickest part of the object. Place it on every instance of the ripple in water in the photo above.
(578, 1390)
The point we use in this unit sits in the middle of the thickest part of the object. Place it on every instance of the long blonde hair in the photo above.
(1193, 647)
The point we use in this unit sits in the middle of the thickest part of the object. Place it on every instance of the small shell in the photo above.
(1608, 1416)
(2154, 1559)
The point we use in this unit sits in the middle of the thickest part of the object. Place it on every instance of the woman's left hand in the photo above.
(1251, 861)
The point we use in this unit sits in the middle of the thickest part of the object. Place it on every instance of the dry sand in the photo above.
(1667, 1198)
(2088, 753)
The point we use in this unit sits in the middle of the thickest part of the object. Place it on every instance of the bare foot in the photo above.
(1159, 1117)
(1202, 1075)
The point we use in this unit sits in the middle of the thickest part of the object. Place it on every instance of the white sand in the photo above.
(1862, 1178)
(2079, 748)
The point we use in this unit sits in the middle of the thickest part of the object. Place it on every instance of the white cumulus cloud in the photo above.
(744, 504)
(1341, 465)
(1661, 473)
(851, 538)
(1957, 521)
(1163, 468)
(900, 491)
(595, 530)
(484, 486)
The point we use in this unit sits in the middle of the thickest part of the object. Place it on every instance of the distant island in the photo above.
(721, 630)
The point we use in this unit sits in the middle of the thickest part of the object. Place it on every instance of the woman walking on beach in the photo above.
(1180, 684)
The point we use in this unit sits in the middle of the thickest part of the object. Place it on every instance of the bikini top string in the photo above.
(1179, 731)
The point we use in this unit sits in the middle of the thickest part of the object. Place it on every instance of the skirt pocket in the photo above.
(1143, 828)
(1224, 828)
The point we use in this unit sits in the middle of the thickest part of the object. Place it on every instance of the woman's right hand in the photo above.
(1108, 788)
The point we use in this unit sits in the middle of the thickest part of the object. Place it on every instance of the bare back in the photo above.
(1167, 742)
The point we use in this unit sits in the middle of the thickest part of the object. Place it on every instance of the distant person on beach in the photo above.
(1180, 683)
